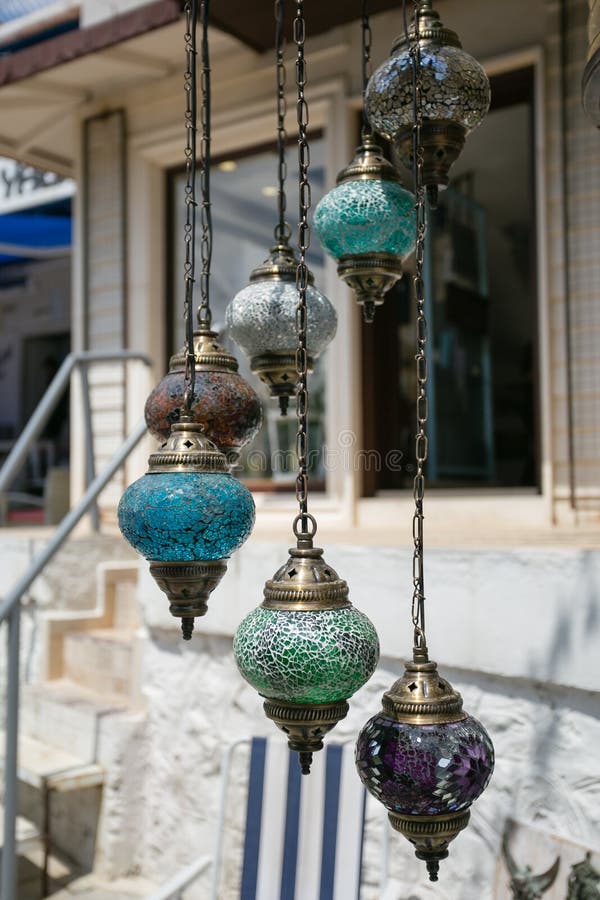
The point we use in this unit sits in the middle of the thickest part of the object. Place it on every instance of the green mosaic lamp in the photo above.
(306, 649)
(367, 223)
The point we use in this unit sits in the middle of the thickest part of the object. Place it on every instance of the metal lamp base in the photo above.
(278, 371)
(188, 585)
(370, 277)
(442, 145)
(430, 835)
(305, 725)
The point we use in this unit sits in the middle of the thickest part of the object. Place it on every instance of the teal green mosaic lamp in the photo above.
(367, 224)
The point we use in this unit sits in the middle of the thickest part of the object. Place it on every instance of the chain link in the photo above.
(304, 201)
(283, 232)
(189, 230)
(421, 443)
(367, 40)
(204, 314)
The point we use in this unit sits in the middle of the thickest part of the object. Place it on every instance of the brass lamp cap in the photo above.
(306, 582)
(431, 30)
(422, 697)
(209, 354)
(280, 265)
(368, 164)
(187, 450)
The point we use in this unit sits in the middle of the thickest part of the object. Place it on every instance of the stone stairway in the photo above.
(78, 724)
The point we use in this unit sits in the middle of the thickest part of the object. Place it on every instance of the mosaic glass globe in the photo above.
(426, 760)
(224, 403)
(187, 515)
(455, 96)
(306, 649)
(261, 319)
(367, 223)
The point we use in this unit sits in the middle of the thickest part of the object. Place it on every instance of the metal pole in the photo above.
(90, 462)
(71, 519)
(9, 850)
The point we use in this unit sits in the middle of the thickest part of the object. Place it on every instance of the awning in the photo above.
(33, 235)
(14, 9)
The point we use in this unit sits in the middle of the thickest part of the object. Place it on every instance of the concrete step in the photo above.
(42, 766)
(27, 833)
(67, 716)
(101, 659)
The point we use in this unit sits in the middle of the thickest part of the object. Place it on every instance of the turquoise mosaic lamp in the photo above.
(367, 224)
(306, 649)
(187, 515)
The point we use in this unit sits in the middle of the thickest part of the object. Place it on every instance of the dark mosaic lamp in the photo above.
(425, 759)
(422, 755)
(306, 649)
(367, 224)
(261, 319)
(187, 515)
(224, 404)
(455, 95)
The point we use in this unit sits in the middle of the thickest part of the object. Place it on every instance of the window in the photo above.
(481, 296)
(244, 196)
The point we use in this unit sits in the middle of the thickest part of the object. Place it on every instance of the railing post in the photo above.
(8, 884)
(90, 461)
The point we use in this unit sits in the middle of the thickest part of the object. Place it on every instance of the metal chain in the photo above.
(204, 313)
(189, 230)
(304, 200)
(367, 40)
(283, 232)
(421, 443)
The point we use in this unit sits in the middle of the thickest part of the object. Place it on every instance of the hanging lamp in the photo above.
(223, 402)
(455, 96)
(366, 222)
(187, 515)
(423, 756)
(261, 317)
(305, 649)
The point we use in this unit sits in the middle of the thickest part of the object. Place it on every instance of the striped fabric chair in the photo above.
(304, 834)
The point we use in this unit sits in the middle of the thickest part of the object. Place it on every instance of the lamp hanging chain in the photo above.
(304, 202)
(421, 442)
(189, 230)
(283, 231)
(204, 313)
(367, 40)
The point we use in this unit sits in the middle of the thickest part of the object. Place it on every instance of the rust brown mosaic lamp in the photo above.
(187, 514)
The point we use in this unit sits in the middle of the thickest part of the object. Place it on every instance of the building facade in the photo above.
(512, 518)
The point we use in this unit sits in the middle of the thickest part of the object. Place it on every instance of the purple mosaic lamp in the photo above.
(422, 755)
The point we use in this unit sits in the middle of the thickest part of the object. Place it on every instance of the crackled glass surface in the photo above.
(262, 318)
(184, 516)
(306, 657)
(224, 403)
(424, 770)
(361, 217)
(455, 88)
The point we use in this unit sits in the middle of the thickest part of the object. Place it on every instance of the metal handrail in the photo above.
(79, 360)
(10, 606)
